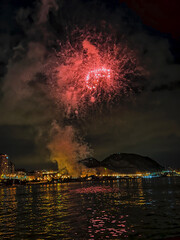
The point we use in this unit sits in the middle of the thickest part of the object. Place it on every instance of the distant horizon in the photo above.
(49, 165)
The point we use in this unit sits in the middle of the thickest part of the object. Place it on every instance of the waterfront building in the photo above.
(4, 164)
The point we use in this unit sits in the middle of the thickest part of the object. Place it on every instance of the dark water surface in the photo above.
(122, 209)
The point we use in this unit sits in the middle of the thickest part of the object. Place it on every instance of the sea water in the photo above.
(119, 209)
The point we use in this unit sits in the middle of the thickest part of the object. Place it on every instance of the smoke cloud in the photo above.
(66, 149)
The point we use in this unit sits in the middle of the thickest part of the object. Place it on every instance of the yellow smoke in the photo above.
(67, 150)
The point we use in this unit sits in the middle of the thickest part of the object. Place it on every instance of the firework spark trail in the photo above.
(98, 77)
(86, 74)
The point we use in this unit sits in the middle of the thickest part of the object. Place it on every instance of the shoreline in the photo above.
(11, 182)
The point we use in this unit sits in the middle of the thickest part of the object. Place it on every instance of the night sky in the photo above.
(143, 120)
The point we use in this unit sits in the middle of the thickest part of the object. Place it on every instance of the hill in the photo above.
(124, 163)
(130, 163)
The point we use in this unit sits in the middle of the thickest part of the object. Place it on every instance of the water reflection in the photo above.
(122, 209)
(107, 225)
(8, 208)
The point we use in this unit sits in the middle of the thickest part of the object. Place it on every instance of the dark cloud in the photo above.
(147, 124)
(169, 87)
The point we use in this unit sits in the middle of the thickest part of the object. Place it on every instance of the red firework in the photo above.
(98, 77)
(85, 74)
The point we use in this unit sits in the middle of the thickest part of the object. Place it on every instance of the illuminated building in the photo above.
(6, 167)
(45, 175)
(4, 164)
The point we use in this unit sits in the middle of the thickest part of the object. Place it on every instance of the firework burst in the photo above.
(91, 70)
